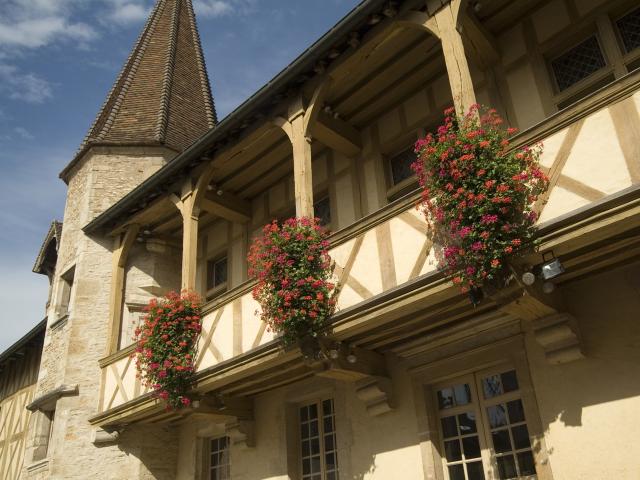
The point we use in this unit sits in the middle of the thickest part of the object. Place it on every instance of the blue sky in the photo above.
(58, 59)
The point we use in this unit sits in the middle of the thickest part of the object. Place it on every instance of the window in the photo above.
(322, 210)
(65, 289)
(219, 466)
(483, 428)
(319, 456)
(400, 165)
(43, 433)
(216, 276)
(578, 63)
(132, 317)
(629, 30)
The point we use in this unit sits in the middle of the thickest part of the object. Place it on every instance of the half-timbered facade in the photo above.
(414, 382)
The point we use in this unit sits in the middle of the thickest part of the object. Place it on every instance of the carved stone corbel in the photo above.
(559, 336)
(242, 433)
(376, 394)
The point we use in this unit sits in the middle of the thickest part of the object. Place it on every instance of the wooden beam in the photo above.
(158, 208)
(337, 134)
(443, 24)
(122, 246)
(316, 104)
(479, 40)
(227, 206)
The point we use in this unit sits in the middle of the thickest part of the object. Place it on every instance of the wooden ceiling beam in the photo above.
(227, 206)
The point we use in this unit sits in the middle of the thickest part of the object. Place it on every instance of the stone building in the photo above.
(421, 384)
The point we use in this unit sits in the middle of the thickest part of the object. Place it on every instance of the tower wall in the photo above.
(75, 341)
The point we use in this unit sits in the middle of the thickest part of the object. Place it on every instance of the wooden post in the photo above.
(442, 22)
(455, 59)
(302, 170)
(190, 214)
(295, 127)
(119, 261)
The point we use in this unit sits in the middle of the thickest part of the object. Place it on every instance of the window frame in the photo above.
(479, 406)
(406, 185)
(318, 402)
(208, 442)
(65, 292)
(628, 57)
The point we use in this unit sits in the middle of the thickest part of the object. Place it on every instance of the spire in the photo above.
(162, 95)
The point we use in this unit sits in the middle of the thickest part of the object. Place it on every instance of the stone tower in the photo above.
(159, 104)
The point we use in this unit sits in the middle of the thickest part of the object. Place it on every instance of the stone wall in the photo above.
(72, 352)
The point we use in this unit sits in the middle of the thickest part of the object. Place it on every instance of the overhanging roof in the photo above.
(302, 67)
(31, 337)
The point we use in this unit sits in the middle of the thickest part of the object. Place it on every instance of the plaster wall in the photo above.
(369, 447)
(589, 408)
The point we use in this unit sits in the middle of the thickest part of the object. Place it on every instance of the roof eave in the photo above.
(300, 65)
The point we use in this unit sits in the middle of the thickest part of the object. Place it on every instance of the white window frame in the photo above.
(324, 473)
(223, 469)
(478, 405)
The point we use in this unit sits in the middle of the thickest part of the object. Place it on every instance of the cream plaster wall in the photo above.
(590, 408)
(382, 447)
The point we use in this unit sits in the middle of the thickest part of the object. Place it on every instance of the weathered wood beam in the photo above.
(442, 22)
(158, 208)
(123, 243)
(480, 41)
(227, 206)
(337, 134)
(190, 215)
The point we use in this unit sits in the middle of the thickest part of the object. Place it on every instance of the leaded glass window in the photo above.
(400, 165)
(629, 29)
(578, 63)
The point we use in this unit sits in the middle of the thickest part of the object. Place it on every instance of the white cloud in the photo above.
(38, 32)
(213, 8)
(127, 12)
(23, 86)
(23, 133)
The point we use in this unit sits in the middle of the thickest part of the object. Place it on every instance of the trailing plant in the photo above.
(477, 194)
(293, 270)
(166, 346)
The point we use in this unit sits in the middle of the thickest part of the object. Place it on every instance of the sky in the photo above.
(59, 58)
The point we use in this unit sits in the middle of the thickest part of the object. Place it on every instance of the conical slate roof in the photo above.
(162, 95)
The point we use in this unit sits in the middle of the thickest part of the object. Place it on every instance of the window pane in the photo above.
(578, 63)
(328, 424)
(449, 427)
(456, 472)
(506, 467)
(501, 441)
(401, 165)
(330, 461)
(328, 443)
(520, 437)
(452, 450)
(306, 466)
(516, 411)
(304, 415)
(315, 446)
(467, 423)
(509, 381)
(313, 428)
(315, 464)
(304, 430)
(327, 407)
(322, 210)
(492, 386)
(462, 394)
(526, 463)
(445, 398)
(497, 415)
(629, 28)
(475, 471)
(471, 447)
(306, 449)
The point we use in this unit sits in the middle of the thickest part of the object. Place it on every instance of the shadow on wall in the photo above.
(154, 448)
(607, 307)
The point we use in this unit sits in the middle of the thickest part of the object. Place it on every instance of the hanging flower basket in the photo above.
(166, 347)
(477, 195)
(293, 271)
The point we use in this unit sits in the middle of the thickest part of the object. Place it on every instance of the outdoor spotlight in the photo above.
(528, 278)
(551, 268)
(334, 354)
(219, 193)
(351, 358)
(548, 287)
(209, 187)
(147, 232)
(140, 239)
